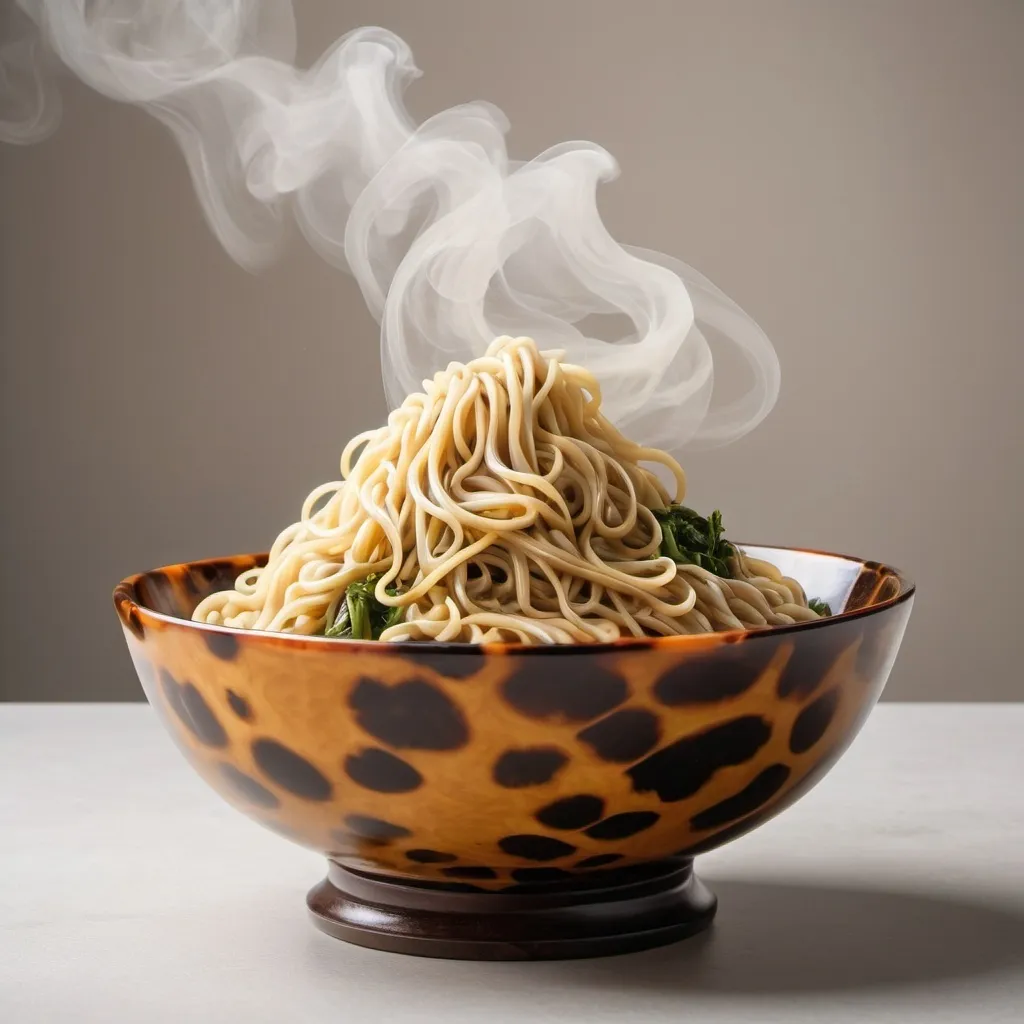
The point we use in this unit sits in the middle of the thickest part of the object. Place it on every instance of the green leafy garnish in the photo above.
(361, 616)
(819, 606)
(689, 538)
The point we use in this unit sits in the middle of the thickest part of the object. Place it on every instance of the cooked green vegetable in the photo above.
(361, 616)
(689, 538)
(819, 606)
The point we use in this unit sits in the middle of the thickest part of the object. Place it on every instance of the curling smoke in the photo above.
(452, 243)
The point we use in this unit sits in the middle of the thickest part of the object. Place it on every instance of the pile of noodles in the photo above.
(501, 506)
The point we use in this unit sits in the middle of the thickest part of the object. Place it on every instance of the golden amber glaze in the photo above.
(501, 766)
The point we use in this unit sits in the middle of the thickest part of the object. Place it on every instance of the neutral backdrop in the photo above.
(850, 173)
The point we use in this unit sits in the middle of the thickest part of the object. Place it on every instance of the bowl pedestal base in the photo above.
(602, 913)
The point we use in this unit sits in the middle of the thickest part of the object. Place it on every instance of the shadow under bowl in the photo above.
(511, 802)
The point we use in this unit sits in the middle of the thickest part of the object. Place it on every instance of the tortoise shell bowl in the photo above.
(510, 802)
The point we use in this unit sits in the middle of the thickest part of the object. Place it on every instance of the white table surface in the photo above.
(892, 892)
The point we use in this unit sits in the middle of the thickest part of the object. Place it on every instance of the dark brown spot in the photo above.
(864, 587)
(468, 871)
(531, 766)
(458, 664)
(535, 847)
(210, 571)
(159, 583)
(811, 723)
(716, 839)
(374, 829)
(677, 771)
(187, 581)
(623, 736)
(745, 802)
(598, 861)
(550, 693)
(248, 787)
(193, 711)
(718, 675)
(430, 857)
(239, 705)
(531, 876)
(410, 716)
(382, 772)
(290, 771)
(571, 812)
(221, 645)
(134, 622)
(621, 826)
(128, 613)
(814, 653)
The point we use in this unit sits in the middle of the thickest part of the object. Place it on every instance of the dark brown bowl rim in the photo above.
(126, 592)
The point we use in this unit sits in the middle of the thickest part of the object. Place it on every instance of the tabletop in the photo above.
(894, 891)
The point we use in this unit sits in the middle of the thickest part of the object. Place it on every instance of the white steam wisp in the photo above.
(452, 243)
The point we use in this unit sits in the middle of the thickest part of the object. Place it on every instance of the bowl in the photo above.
(505, 801)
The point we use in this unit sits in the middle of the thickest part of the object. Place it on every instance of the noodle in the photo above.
(500, 505)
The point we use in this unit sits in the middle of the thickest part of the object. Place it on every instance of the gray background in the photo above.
(850, 173)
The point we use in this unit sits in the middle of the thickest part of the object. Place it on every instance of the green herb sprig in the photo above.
(687, 537)
(361, 616)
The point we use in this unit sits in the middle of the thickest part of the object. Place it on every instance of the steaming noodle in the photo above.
(501, 505)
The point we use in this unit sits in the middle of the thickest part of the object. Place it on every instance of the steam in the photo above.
(451, 242)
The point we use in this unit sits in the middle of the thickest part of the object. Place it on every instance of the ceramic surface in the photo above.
(498, 767)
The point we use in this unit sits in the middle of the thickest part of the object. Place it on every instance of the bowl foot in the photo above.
(602, 914)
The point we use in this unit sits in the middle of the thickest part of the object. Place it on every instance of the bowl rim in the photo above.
(126, 600)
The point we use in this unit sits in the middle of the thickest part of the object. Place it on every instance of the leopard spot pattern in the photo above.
(474, 772)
